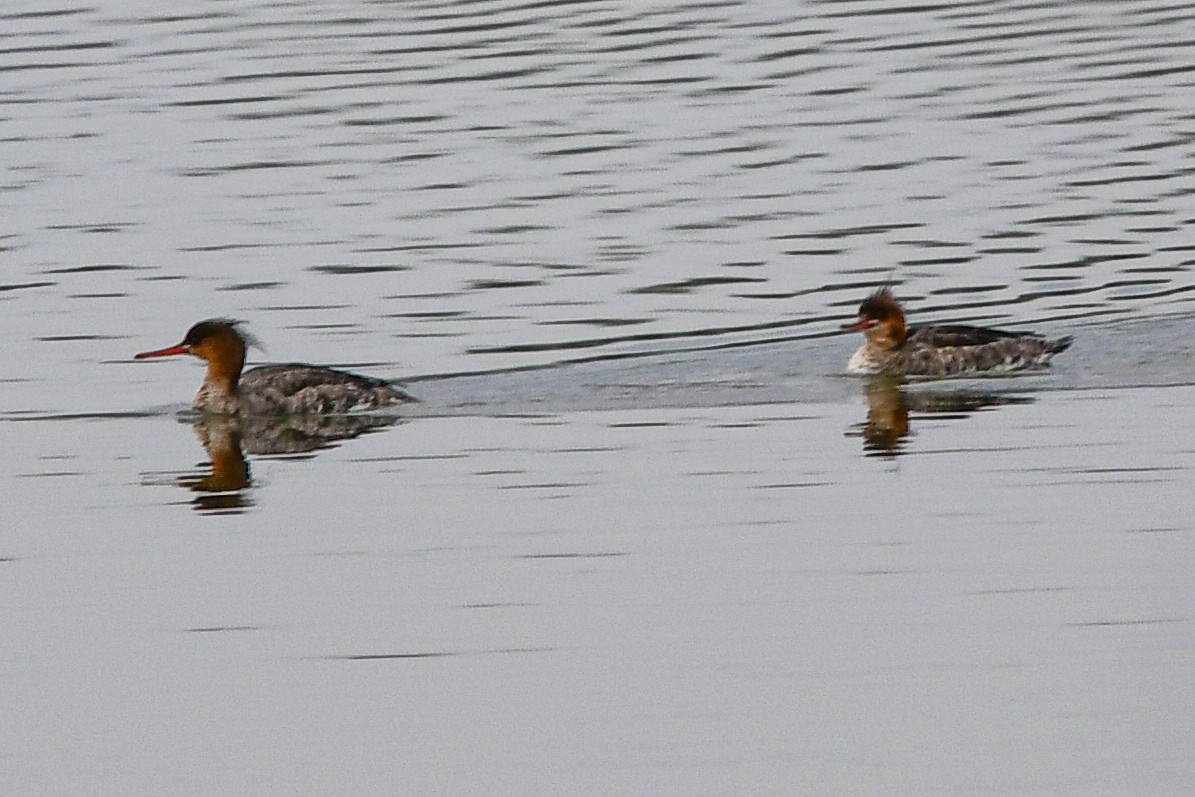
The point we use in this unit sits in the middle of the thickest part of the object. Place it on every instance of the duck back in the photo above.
(942, 351)
(296, 389)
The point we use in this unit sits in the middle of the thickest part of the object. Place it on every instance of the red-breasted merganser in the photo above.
(291, 389)
(891, 347)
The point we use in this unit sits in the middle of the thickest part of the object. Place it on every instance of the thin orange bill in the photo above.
(179, 349)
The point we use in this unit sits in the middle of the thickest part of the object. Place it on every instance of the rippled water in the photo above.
(641, 535)
(470, 185)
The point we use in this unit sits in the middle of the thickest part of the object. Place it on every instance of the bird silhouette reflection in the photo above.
(223, 483)
(890, 402)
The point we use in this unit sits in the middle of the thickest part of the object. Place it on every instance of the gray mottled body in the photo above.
(298, 390)
(946, 351)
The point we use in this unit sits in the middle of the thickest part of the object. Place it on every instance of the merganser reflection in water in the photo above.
(889, 405)
(892, 348)
(223, 484)
(291, 389)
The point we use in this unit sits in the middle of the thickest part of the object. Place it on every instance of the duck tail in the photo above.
(1058, 345)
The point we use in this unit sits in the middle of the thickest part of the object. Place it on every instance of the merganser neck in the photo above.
(225, 356)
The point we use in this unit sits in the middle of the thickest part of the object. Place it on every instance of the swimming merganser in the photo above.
(291, 389)
(891, 347)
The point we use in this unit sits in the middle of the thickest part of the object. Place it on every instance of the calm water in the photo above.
(641, 536)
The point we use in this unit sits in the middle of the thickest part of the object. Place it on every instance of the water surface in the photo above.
(641, 535)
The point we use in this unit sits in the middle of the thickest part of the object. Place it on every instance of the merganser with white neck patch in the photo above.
(891, 347)
(292, 389)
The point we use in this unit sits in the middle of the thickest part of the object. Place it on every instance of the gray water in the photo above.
(641, 535)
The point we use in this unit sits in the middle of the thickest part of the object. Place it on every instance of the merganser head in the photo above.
(218, 342)
(881, 320)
